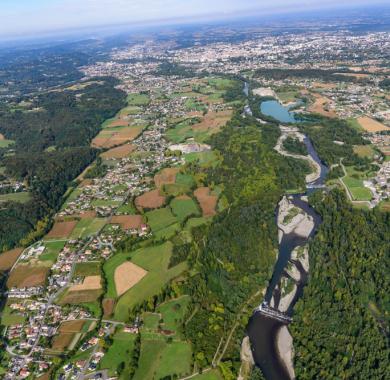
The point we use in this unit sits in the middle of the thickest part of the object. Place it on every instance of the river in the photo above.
(263, 331)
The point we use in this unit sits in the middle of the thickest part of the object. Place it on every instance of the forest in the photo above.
(65, 122)
(234, 256)
(341, 324)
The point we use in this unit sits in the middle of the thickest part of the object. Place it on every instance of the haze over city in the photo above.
(22, 18)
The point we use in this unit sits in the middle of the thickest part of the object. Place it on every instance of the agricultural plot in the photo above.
(24, 276)
(155, 260)
(74, 326)
(62, 341)
(159, 219)
(52, 249)
(165, 177)
(21, 197)
(371, 125)
(87, 269)
(183, 207)
(182, 131)
(8, 258)
(159, 359)
(150, 200)
(4, 143)
(11, 317)
(168, 232)
(120, 351)
(118, 152)
(126, 276)
(206, 200)
(137, 99)
(61, 230)
(357, 189)
(128, 221)
(204, 158)
(87, 227)
(110, 137)
(80, 297)
(364, 151)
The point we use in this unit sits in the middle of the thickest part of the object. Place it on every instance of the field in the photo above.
(74, 326)
(118, 152)
(184, 207)
(89, 283)
(108, 305)
(8, 258)
(128, 221)
(87, 269)
(204, 158)
(77, 297)
(87, 227)
(126, 276)
(160, 359)
(149, 200)
(119, 351)
(62, 341)
(209, 375)
(25, 276)
(138, 99)
(113, 136)
(21, 197)
(52, 249)
(319, 106)
(207, 201)
(155, 260)
(61, 230)
(165, 177)
(364, 151)
(9, 317)
(5, 143)
(159, 219)
(357, 189)
(371, 125)
(167, 232)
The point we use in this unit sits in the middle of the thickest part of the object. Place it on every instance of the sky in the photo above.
(30, 17)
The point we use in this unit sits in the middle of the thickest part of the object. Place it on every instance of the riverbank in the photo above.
(286, 350)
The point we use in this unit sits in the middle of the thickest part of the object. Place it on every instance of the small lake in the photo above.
(276, 110)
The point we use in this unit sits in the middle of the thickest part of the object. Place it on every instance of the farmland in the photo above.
(8, 258)
(149, 200)
(87, 227)
(61, 230)
(183, 207)
(25, 276)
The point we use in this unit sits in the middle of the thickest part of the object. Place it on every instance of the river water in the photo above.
(263, 331)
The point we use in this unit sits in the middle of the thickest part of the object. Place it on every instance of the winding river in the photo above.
(262, 330)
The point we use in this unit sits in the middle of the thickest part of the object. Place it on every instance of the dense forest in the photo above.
(341, 325)
(239, 248)
(65, 122)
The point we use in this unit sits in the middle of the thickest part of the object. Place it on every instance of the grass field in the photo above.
(195, 222)
(160, 359)
(173, 313)
(109, 270)
(168, 232)
(151, 321)
(357, 189)
(364, 151)
(87, 227)
(155, 260)
(183, 208)
(182, 131)
(52, 249)
(21, 197)
(137, 99)
(161, 218)
(204, 158)
(6, 143)
(209, 375)
(185, 180)
(9, 317)
(87, 269)
(119, 351)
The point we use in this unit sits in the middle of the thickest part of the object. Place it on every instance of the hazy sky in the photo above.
(20, 17)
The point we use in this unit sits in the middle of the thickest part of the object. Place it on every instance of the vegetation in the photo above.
(293, 145)
(341, 324)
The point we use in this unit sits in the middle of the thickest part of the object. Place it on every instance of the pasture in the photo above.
(87, 227)
(52, 249)
(159, 219)
(183, 207)
(357, 189)
(128, 221)
(137, 99)
(21, 197)
(120, 351)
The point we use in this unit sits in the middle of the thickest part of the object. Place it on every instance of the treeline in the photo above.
(65, 121)
(234, 256)
(341, 324)
(333, 139)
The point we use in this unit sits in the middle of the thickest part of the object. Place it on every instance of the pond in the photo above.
(276, 110)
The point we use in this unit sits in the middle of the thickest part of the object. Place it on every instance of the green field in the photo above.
(109, 269)
(195, 105)
(195, 222)
(182, 131)
(160, 359)
(127, 208)
(357, 189)
(21, 197)
(160, 218)
(119, 351)
(364, 151)
(138, 99)
(87, 269)
(104, 203)
(221, 83)
(173, 313)
(151, 321)
(87, 227)
(185, 180)
(184, 208)
(204, 158)
(6, 143)
(168, 232)
(155, 260)
(10, 317)
(52, 250)
(209, 375)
